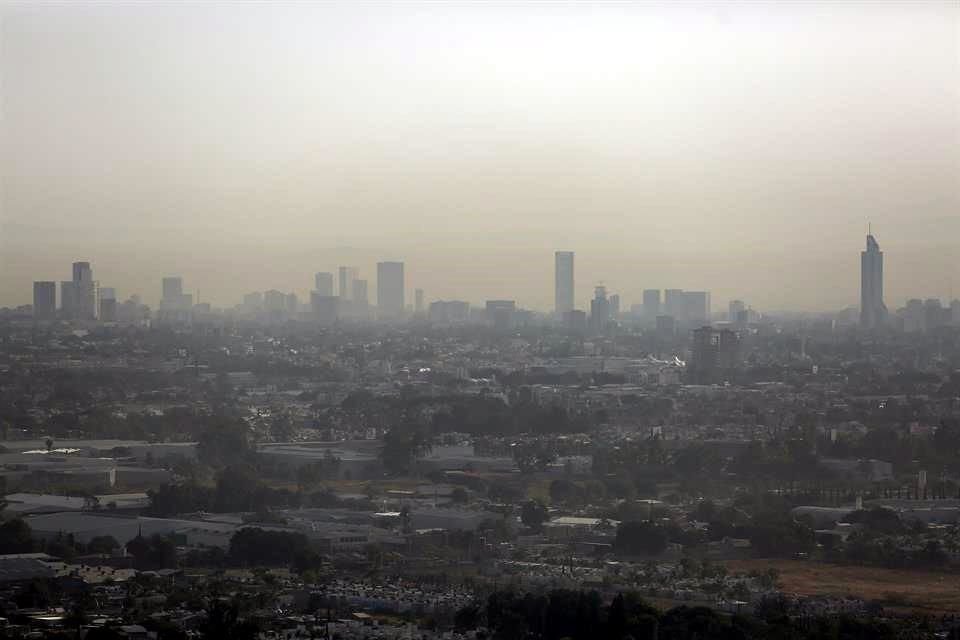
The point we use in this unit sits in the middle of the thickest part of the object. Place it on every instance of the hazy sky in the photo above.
(739, 148)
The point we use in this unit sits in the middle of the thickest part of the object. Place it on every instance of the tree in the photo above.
(225, 623)
(223, 443)
(15, 537)
(102, 544)
(255, 546)
(534, 514)
(640, 538)
(402, 445)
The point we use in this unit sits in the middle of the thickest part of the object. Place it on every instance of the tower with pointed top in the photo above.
(873, 311)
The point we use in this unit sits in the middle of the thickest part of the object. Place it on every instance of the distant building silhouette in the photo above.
(501, 314)
(346, 276)
(44, 300)
(651, 304)
(873, 311)
(674, 305)
(68, 299)
(418, 301)
(449, 312)
(325, 309)
(563, 282)
(599, 310)
(390, 302)
(84, 291)
(323, 283)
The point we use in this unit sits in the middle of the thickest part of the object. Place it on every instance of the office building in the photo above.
(68, 299)
(501, 314)
(666, 326)
(599, 310)
(696, 308)
(615, 306)
(85, 291)
(390, 289)
(714, 354)
(107, 304)
(651, 304)
(736, 312)
(449, 312)
(274, 301)
(673, 304)
(914, 316)
(359, 298)
(44, 300)
(325, 309)
(253, 302)
(346, 275)
(563, 293)
(323, 283)
(575, 320)
(418, 301)
(873, 311)
(172, 290)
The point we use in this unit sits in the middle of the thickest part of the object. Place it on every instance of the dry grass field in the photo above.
(920, 591)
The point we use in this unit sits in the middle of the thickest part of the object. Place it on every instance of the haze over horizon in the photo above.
(735, 148)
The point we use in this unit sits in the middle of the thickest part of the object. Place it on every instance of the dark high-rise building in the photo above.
(873, 311)
(44, 300)
(323, 283)
(390, 289)
(85, 291)
(714, 353)
(563, 292)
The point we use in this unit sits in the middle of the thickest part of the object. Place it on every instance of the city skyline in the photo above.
(690, 146)
(684, 306)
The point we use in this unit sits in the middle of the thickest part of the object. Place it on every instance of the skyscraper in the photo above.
(651, 304)
(563, 281)
(599, 310)
(696, 307)
(85, 291)
(674, 304)
(360, 298)
(418, 301)
(44, 300)
(737, 312)
(68, 299)
(390, 288)
(107, 304)
(872, 310)
(172, 289)
(347, 276)
(323, 283)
